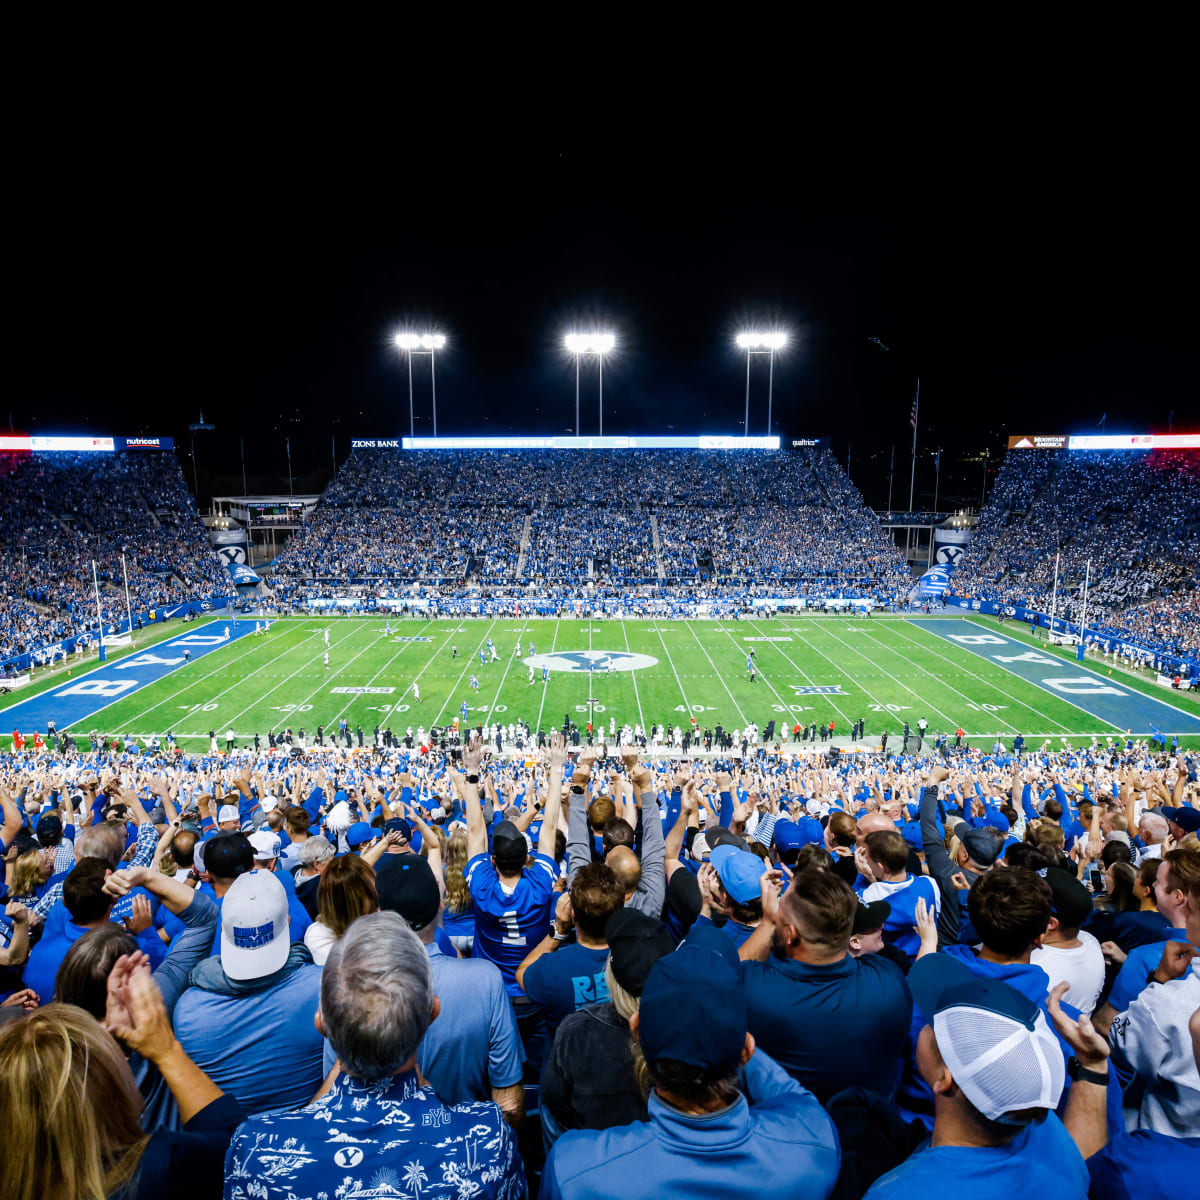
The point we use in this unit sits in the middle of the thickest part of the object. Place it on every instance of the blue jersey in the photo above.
(463, 710)
(749, 663)
(900, 928)
(545, 674)
(509, 924)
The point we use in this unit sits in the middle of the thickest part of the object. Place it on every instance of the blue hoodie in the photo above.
(775, 1135)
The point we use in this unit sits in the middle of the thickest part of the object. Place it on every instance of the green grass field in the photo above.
(888, 671)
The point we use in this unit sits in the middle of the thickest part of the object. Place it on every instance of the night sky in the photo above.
(1032, 290)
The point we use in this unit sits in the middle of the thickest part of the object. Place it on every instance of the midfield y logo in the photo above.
(591, 660)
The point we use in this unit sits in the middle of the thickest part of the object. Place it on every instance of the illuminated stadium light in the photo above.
(420, 343)
(762, 341)
(769, 343)
(598, 344)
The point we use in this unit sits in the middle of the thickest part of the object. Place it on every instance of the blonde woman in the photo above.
(457, 918)
(60, 1070)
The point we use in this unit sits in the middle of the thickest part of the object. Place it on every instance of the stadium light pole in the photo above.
(761, 343)
(421, 343)
(598, 344)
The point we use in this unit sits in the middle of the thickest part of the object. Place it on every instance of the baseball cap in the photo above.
(1070, 901)
(787, 835)
(635, 943)
(718, 835)
(983, 846)
(995, 819)
(254, 926)
(228, 812)
(1188, 819)
(811, 831)
(508, 843)
(314, 849)
(398, 825)
(227, 855)
(912, 835)
(683, 897)
(269, 803)
(997, 1043)
(49, 828)
(407, 886)
(740, 872)
(868, 917)
(696, 981)
(266, 844)
(359, 834)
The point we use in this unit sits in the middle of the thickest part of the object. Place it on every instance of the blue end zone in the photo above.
(77, 700)
(1098, 695)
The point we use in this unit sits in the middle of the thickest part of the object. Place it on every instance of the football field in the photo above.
(989, 680)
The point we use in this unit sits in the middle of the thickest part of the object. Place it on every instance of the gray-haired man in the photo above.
(377, 1122)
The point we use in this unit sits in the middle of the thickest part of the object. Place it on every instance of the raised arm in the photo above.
(557, 758)
(477, 839)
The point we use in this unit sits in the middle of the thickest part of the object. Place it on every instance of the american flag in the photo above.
(912, 417)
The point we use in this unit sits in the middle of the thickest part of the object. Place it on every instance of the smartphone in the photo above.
(1097, 879)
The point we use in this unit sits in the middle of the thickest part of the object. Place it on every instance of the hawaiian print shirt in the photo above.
(389, 1139)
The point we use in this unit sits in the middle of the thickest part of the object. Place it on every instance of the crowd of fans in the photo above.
(1133, 515)
(62, 511)
(595, 519)
(395, 973)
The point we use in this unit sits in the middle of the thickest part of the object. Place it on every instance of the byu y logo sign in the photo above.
(591, 660)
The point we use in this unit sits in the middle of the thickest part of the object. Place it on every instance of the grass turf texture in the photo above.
(888, 670)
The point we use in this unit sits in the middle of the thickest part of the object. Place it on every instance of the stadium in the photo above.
(586, 716)
(685, 611)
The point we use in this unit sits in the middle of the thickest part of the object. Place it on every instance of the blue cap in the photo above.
(787, 835)
(912, 834)
(812, 832)
(359, 833)
(996, 819)
(740, 873)
(693, 1010)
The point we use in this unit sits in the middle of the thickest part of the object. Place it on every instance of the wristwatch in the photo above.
(473, 779)
(1080, 1074)
(559, 937)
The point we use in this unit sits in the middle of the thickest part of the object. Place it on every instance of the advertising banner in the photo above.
(1037, 441)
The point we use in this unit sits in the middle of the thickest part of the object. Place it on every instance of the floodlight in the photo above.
(420, 343)
(589, 343)
(762, 341)
(754, 342)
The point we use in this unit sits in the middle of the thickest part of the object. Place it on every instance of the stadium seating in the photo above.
(1134, 515)
(568, 520)
(62, 511)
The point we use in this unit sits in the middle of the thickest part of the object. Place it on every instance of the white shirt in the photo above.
(319, 939)
(1151, 1035)
(1081, 966)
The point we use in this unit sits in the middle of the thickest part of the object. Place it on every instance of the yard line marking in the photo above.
(704, 650)
(295, 708)
(994, 686)
(482, 641)
(686, 702)
(912, 692)
(349, 703)
(780, 649)
(192, 682)
(546, 684)
(787, 711)
(633, 676)
(508, 662)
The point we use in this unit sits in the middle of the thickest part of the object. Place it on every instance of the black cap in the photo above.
(683, 896)
(49, 829)
(983, 846)
(398, 825)
(870, 916)
(228, 855)
(407, 886)
(508, 843)
(720, 836)
(1070, 901)
(635, 943)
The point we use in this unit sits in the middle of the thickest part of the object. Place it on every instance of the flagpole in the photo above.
(1054, 600)
(891, 476)
(983, 494)
(912, 479)
(99, 618)
(242, 443)
(288, 443)
(1086, 580)
(937, 479)
(128, 612)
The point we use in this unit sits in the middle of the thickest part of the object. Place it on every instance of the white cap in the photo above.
(269, 804)
(228, 812)
(254, 926)
(266, 844)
